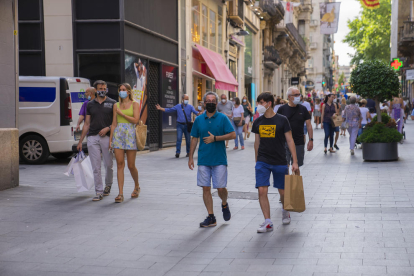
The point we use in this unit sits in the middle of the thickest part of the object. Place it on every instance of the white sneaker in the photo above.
(265, 227)
(352, 152)
(285, 217)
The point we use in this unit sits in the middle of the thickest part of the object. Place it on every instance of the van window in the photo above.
(65, 103)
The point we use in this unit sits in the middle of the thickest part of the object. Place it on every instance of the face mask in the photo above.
(123, 94)
(334, 100)
(244, 100)
(296, 100)
(101, 93)
(199, 108)
(185, 101)
(223, 101)
(89, 98)
(261, 109)
(211, 107)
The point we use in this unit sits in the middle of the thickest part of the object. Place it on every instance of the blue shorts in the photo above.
(337, 129)
(215, 174)
(263, 171)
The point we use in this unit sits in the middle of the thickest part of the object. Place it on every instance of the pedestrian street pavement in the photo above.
(359, 220)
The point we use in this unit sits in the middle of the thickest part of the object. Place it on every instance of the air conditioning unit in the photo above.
(313, 45)
(236, 11)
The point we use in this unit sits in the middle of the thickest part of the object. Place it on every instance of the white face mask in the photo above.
(261, 109)
(223, 101)
(199, 108)
(185, 101)
(244, 100)
(334, 100)
(296, 100)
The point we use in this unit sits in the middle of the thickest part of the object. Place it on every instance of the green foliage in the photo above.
(370, 34)
(380, 133)
(375, 79)
(341, 79)
(384, 116)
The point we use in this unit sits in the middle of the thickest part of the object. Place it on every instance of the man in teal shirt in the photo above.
(213, 128)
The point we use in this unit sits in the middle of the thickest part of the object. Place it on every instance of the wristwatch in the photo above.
(311, 139)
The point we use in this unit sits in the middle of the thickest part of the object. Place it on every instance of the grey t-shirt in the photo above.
(226, 108)
(101, 115)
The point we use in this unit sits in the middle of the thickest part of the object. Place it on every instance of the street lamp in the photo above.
(241, 33)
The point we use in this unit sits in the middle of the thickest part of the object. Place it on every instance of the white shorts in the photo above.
(247, 119)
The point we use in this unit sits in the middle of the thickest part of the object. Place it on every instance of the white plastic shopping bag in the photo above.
(83, 175)
(77, 158)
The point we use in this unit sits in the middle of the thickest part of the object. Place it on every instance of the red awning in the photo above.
(224, 78)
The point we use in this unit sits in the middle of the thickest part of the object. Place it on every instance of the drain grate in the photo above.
(240, 195)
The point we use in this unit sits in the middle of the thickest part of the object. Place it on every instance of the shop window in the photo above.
(195, 21)
(220, 29)
(204, 27)
(97, 9)
(213, 36)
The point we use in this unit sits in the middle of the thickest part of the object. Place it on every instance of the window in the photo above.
(233, 68)
(195, 24)
(310, 63)
(213, 36)
(204, 27)
(220, 29)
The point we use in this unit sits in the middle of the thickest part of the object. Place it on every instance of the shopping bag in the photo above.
(83, 175)
(294, 199)
(337, 121)
(141, 135)
(77, 158)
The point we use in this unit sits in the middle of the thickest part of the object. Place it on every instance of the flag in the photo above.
(289, 11)
(370, 4)
(329, 13)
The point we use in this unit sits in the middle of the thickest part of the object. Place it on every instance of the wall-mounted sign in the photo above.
(409, 74)
(396, 64)
(294, 81)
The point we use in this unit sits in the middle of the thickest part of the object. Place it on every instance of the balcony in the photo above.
(271, 8)
(313, 45)
(271, 57)
(407, 31)
(236, 11)
(294, 32)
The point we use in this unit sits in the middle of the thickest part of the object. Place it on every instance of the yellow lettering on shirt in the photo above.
(267, 131)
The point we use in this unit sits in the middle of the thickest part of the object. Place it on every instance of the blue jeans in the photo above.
(182, 129)
(329, 133)
(239, 135)
(360, 130)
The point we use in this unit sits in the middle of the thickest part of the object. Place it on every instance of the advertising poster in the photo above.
(136, 76)
(329, 13)
(169, 95)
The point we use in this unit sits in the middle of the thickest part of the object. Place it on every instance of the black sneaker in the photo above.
(107, 191)
(208, 222)
(187, 155)
(335, 146)
(177, 155)
(226, 212)
(98, 197)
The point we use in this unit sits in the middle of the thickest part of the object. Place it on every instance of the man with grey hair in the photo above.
(184, 122)
(297, 116)
(352, 116)
(225, 107)
(212, 128)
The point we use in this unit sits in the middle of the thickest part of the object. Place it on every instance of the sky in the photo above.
(349, 10)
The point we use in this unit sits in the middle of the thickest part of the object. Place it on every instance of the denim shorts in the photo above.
(305, 130)
(215, 174)
(263, 171)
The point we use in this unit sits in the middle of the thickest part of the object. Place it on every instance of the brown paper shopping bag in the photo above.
(141, 135)
(337, 121)
(294, 194)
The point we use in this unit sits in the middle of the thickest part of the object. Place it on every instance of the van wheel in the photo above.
(33, 149)
(62, 155)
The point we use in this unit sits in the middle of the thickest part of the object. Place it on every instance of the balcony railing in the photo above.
(407, 31)
(271, 55)
(271, 7)
(294, 32)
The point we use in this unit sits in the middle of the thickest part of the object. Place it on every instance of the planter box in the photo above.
(380, 151)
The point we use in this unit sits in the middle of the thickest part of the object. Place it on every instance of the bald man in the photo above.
(89, 96)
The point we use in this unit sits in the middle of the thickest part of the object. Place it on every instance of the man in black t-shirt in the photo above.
(272, 132)
(297, 115)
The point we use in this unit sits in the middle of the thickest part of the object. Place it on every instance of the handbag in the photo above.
(294, 194)
(189, 124)
(237, 120)
(141, 135)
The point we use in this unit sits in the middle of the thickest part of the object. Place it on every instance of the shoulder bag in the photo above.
(189, 124)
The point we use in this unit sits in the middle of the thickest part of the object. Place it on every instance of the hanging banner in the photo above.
(136, 76)
(289, 11)
(370, 4)
(329, 17)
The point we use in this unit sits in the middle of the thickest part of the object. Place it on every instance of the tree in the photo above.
(376, 80)
(370, 34)
(341, 79)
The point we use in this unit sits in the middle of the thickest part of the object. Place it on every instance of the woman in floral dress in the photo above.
(352, 117)
(397, 112)
(123, 139)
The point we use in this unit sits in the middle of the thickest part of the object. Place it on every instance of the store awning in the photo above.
(224, 78)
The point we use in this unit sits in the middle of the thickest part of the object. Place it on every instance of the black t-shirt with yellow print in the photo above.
(272, 139)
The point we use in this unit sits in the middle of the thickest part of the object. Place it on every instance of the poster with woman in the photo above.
(136, 76)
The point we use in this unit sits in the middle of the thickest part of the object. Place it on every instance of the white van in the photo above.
(46, 117)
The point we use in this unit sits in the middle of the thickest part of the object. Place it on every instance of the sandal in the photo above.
(235, 148)
(331, 150)
(136, 192)
(119, 199)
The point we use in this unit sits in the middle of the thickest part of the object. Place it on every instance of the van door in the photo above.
(77, 88)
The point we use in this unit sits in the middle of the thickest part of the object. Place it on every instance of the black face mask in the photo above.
(210, 107)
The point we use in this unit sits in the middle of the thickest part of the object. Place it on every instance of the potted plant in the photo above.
(376, 80)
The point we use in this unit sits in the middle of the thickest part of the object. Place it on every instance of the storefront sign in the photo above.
(294, 81)
(248, 54)
(396, 64)
(409, 74)
(136, 76)
(233, 50)
(169, 95)
(236, 40)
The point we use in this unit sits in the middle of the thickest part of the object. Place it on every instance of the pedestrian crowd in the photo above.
(280, 130)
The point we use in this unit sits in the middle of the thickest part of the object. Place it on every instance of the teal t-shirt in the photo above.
(212, 154)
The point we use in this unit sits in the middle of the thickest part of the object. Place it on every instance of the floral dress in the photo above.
(124, 134)
(352, 114)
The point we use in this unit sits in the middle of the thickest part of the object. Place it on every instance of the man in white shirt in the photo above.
(309, 108)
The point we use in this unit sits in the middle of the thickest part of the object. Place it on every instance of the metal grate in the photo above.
(153, 113)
